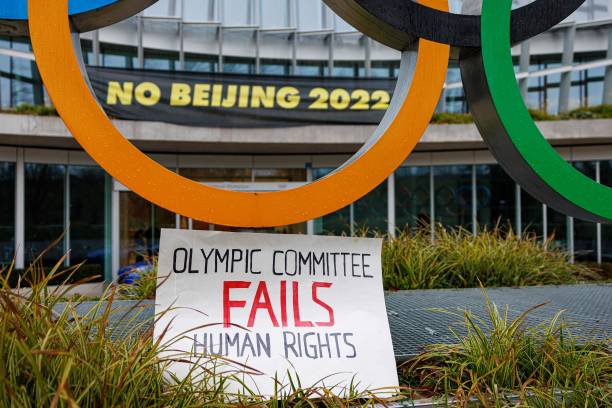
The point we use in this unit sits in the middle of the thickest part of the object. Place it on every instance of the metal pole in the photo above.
(20, 210)
(432, 204)
(518, 215)
(599, 243)
(67, 243)
(391, 224)
(474, 202)
(309, 178)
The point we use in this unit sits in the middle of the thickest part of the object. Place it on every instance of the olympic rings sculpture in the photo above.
(483, 44)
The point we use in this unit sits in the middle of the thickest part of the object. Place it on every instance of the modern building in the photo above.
(50, 187)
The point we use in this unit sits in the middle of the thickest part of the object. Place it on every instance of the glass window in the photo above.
(606, 178)
(312, 68)
(532, 214)
(557, 227)
(162, 8)
(453, 195)
(236, 12)
(118, 58)
(274, 13)
(310, 15)
(337, 223)
(135, 228)
(495, 195)
(585, 233)
(279, 175)
(160, 60)
(238, 65)
(44, 211)
(384, 69)
(7, 212)
(199, 10)
(412, 197)
(201, 63)
(87, 189)
(275, 67)
(349, 68)
(371, 211)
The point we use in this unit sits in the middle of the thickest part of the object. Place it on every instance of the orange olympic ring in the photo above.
(62, 76)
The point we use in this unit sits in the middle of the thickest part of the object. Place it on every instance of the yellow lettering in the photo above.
(217, 94)
(230, 98)
(117, 93)
(181, 95)
(147, 94)
(201, 95)
(288, 97)
(243, 101)
(262, 97)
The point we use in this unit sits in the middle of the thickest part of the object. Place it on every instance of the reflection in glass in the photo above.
(532, 214)
(453, 195)
(495, 195)
(371, 211)
(585, 233)
(44, 211)
(7, 212)
(141, 231)
(557, 228)
(412, 197)
(87, 184)
(136, 233)
(337, 223)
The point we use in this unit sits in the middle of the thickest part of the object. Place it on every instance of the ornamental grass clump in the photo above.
(498, 361)
(60, 351)
(456, 258)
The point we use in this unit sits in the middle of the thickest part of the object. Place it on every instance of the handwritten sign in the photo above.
(273, 307)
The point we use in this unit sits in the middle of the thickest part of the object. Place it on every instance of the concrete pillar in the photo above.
(607, 89)
(524, 60)
(567, 60)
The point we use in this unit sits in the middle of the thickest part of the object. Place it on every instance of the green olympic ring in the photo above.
(510, 132)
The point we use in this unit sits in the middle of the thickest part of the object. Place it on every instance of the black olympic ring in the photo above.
(400, 23)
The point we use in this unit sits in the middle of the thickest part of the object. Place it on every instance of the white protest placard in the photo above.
(309, 307)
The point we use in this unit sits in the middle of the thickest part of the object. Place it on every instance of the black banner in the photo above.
(232, 100)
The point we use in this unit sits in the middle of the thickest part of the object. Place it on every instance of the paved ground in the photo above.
(417, 318)
(414, 323)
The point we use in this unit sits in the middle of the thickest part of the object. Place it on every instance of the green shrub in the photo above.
(595, 112)
(451, 118)
(458, 259)
(36, 110)
(498, 358)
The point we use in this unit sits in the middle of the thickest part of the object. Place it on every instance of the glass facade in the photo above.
(7, 212)
(453, 195)
(73, 203)
(412, 196)
(495, 197)
(45, 213)
(87, 216)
